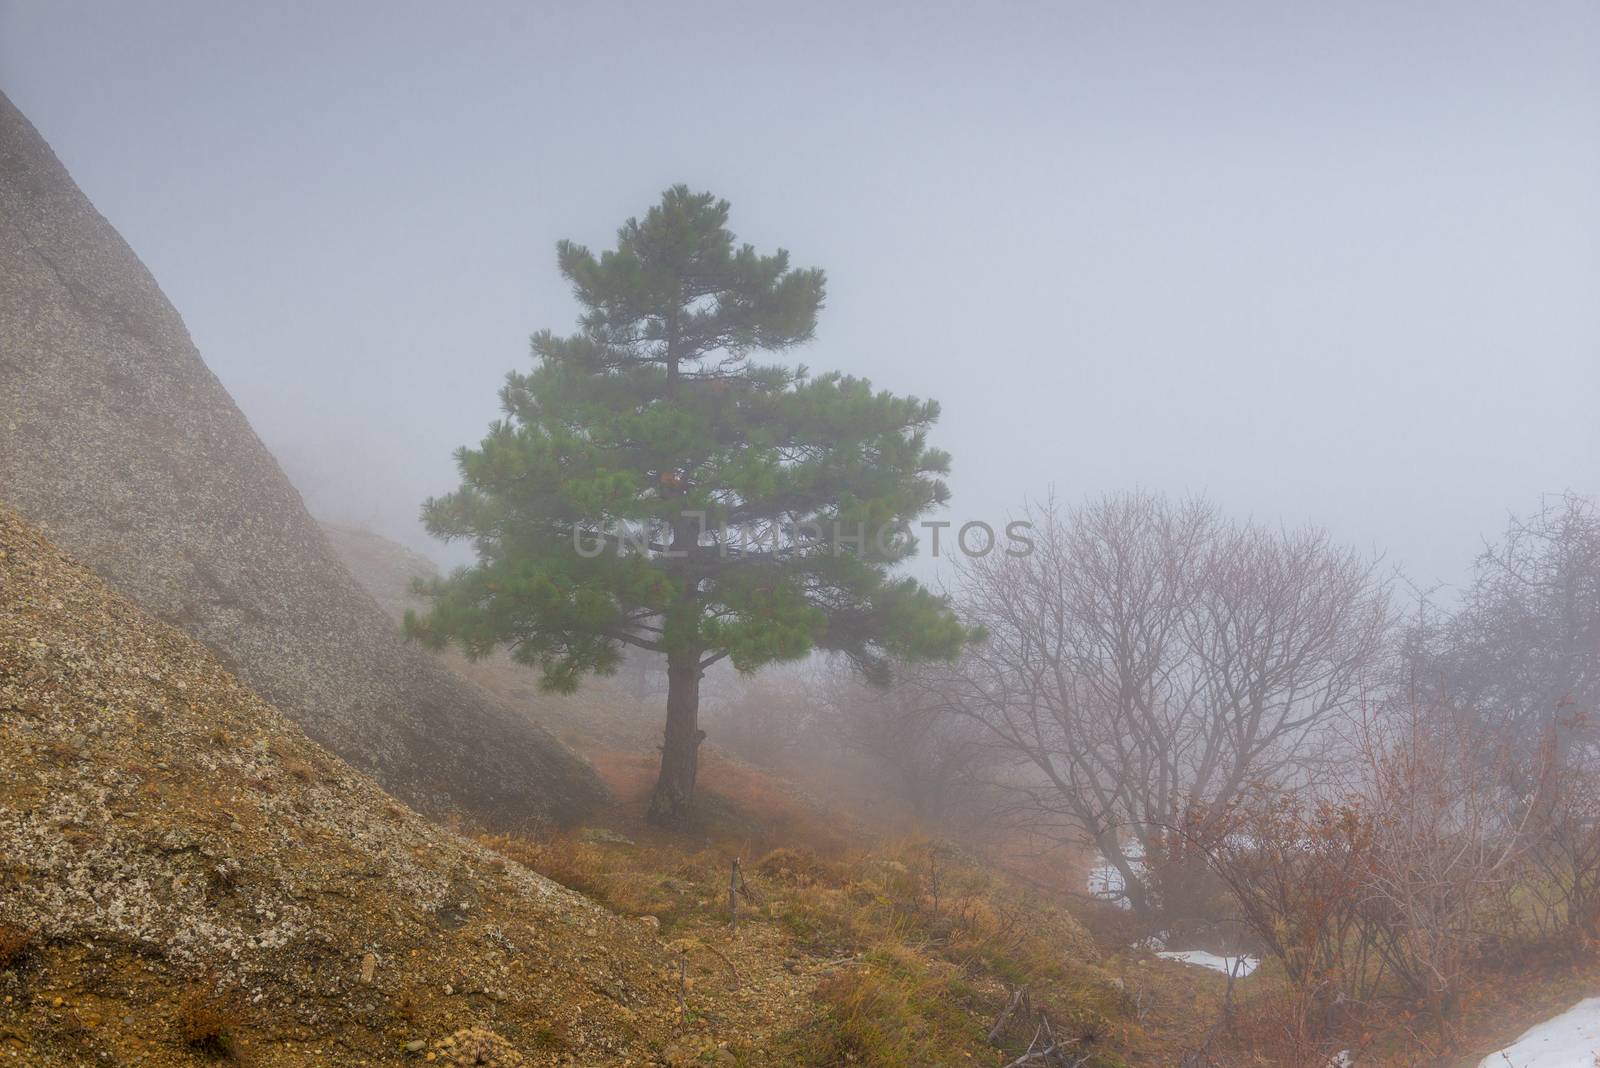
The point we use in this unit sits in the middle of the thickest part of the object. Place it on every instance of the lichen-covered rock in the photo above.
(162, 829)
(116, 437)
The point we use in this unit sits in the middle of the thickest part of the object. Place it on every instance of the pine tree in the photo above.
(652, 485)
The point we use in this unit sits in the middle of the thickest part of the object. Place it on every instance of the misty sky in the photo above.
(1329, 262)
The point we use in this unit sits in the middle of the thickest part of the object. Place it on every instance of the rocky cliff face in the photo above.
(116, 437)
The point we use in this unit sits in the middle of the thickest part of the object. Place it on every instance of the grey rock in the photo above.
(120, 439)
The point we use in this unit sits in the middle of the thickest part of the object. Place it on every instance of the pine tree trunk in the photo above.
(680, 752)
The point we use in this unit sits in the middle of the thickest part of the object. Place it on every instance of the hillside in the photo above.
(119, 440)
(607, 716)
(175, 853)
(862, 941)
(186, 877)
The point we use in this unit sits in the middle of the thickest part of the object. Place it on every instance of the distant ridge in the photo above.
(116, 436)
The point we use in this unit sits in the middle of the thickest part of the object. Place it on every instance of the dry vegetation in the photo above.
(1433, 898)
(898, 953)
(207, 1019)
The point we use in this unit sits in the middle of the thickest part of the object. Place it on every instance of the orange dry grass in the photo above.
(573, 864)
(629, 776)
(738, 806)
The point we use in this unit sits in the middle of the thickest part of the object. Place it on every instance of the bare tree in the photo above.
(1148, 660)
(1523, 649)
(936, 761)
(1519, 657)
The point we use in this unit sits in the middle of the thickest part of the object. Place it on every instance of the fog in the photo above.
(1265, 336)
(1324, 263)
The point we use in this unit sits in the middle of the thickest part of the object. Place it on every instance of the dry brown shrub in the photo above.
(206, 1018)
(300, 771)
(565, 860)
(795, 867)
(477, 1046)
(1284, 1026)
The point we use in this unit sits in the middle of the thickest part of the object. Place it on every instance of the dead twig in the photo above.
(715, 952)
(683, 982)
(999, 1027)
(829, 965)
(1044, 1048)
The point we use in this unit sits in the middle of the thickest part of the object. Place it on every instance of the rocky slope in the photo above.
(385, 569)
(183, 873)
(116, 436)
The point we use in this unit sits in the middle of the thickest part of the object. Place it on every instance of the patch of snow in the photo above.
(1571, 1040)
(1105, 881)
(1154, 942)
(1236, 966)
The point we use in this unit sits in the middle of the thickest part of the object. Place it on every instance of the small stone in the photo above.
(416, 1045)
(369, 967)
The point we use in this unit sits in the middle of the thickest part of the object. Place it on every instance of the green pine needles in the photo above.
(653, 485)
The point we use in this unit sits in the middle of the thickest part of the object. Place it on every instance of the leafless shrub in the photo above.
(1297, 872)
(1520, 657)
(1563, 892)
(1396, 883)
(1448, 838)
(1466, 826)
